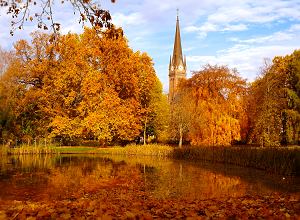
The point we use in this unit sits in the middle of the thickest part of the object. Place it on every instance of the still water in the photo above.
(58, 177)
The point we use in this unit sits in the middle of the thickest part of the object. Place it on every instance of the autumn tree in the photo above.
(275, 112)
(5, 59)
(159, 113)
(6, 118)
(156, 115)
(181, 113)
(22, 85)
(212, 107)
(291, 116)
(88, 86)
(269, 96)
(10, 91)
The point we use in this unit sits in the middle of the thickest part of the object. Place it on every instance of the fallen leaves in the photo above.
(106, 204)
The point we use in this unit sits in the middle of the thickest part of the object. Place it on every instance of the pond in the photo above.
(52, 177)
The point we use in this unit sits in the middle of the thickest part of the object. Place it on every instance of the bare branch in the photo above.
(21, 11)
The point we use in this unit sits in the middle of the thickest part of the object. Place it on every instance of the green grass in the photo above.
(74, 150)
(279, 160)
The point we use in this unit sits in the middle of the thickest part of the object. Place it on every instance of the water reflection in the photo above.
(69, 177)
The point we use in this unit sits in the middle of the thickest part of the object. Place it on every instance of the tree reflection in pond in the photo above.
(68, 177)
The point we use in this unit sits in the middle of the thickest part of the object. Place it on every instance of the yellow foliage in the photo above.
(82, 86)
(212, 106)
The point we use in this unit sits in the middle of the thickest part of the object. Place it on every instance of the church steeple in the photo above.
(177, 50)
(177, 65)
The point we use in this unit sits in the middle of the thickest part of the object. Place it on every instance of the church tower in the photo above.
(177, 65)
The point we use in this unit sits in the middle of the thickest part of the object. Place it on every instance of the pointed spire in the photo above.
(177, 65)
(177, 51)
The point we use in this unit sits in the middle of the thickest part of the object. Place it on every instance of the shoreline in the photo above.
(279, 160)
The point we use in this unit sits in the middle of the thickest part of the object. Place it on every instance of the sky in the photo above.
(236, 33)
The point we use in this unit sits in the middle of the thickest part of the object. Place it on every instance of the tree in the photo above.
(269, 91)
(10, 91)
(22, 83)
(291, 115)
(211, 106)
(275, 104)
(88, 86)
(5, 59)
(156, 115)
(180, 114)
(42, 12)
(6, 118)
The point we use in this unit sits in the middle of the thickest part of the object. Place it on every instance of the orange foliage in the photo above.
(213, 98)
(83, 86)
(274, 104)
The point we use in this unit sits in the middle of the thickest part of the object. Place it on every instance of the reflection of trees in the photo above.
(73, 181)
(165, 179)
(27, 163)
(64, 177)
(150, 176)
(184, 181)
(258, 180)
(71, 177)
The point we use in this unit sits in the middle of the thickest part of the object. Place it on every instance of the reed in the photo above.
(280, 160)
(25, 149)
(145, 150)
(4, 150)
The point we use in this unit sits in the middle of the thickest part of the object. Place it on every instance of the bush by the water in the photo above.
(281, 160)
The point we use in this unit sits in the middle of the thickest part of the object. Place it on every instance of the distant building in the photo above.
(177, 65)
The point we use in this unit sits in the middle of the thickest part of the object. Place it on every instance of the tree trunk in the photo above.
(284, 139)
(180, 171)
(180, 135)
(145, 127)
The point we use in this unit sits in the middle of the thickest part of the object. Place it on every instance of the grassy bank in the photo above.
(284, 161)
(74, 150)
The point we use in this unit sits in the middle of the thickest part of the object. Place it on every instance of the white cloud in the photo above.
(208, 27)
(236, 15)
(295, 27)
(255, 11)
(203, 30)
(280, 36)
(133, 19)
(246, 59)
(72, 28)
(237, 27)
(201, 59)
(191, 28)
